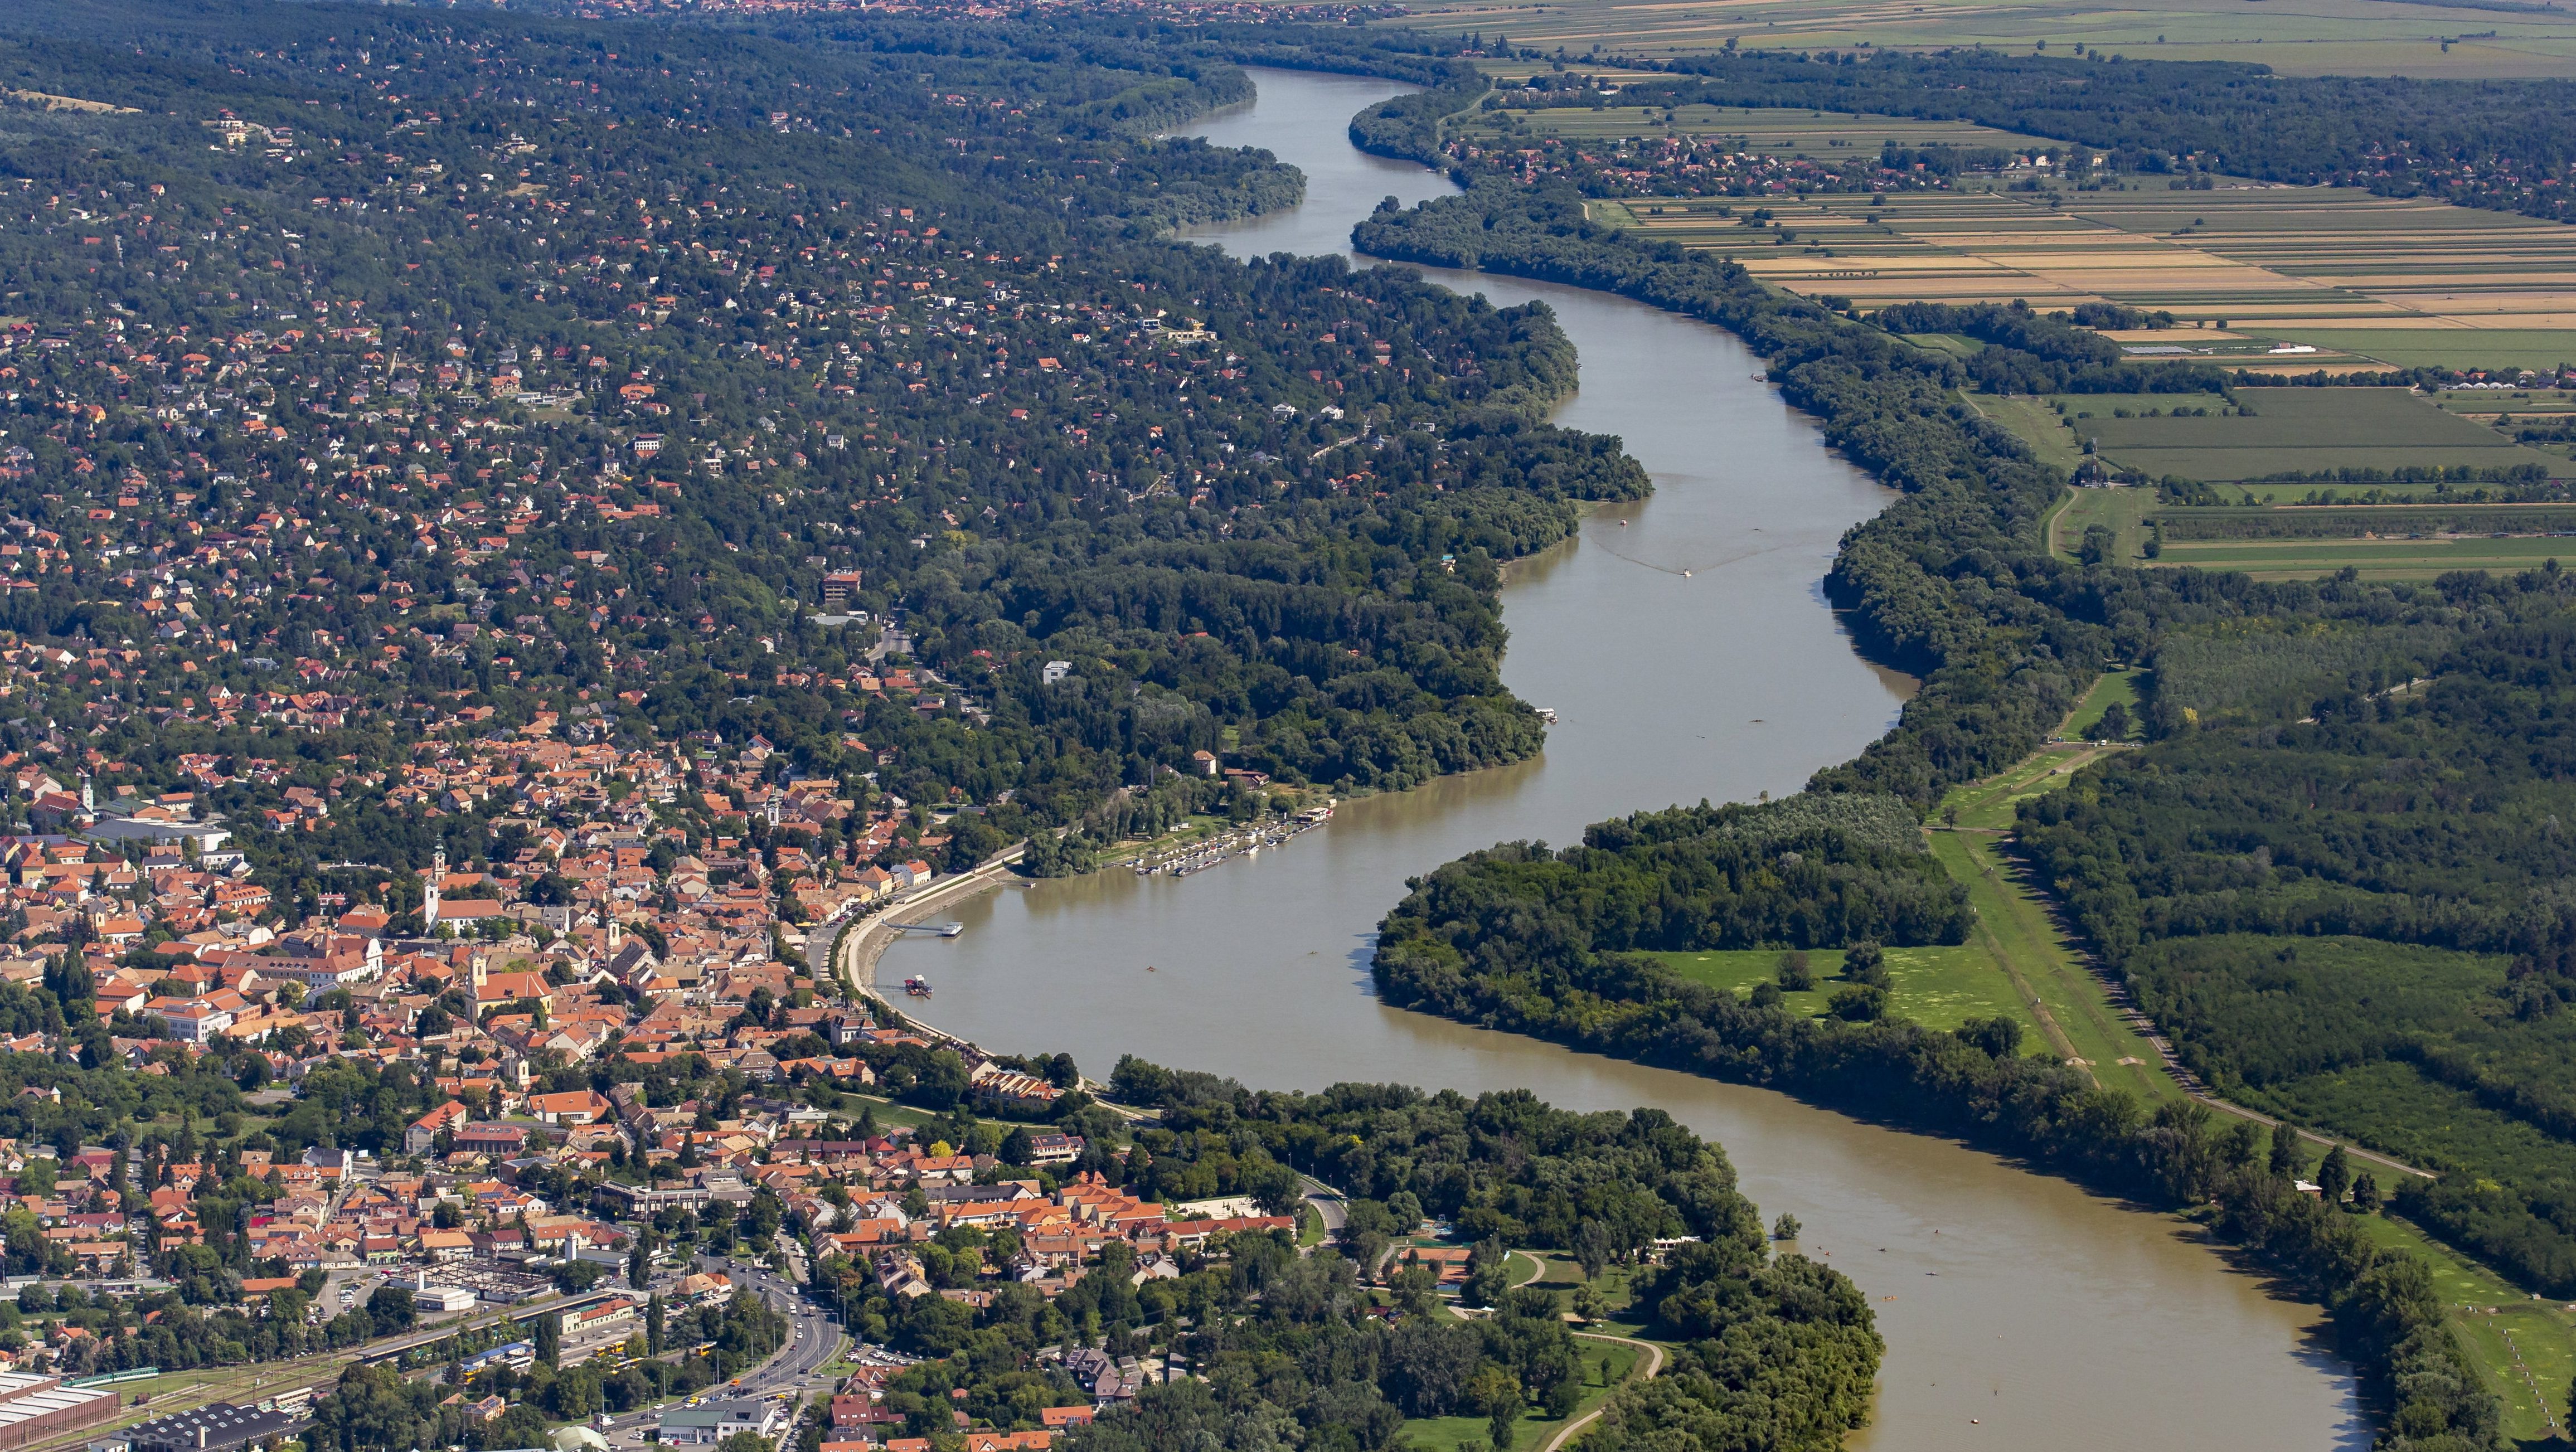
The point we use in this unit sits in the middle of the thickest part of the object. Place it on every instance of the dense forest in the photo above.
(2341, 890)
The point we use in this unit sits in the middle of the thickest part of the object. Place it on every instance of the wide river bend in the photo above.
(2021, 1314)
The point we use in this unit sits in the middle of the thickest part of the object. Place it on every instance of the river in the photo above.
(2020, 1312)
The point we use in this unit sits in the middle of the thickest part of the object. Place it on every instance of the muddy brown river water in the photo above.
(2021, 1314)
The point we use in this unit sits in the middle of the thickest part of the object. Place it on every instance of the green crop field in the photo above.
(2291, 430)
(2540, 349)
(2388, 559)
(2275, 523)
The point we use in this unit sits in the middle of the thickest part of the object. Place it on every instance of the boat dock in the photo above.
(1241, 842)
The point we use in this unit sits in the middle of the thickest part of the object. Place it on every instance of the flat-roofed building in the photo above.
(712, 1422)
(41, 1408)
(214, 1427)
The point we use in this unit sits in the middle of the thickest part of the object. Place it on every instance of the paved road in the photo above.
(1328, 1204)
(813, 1342)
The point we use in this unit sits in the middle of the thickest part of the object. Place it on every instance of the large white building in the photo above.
(712, 1422)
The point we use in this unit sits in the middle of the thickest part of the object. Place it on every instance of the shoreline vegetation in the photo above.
(1953, 582)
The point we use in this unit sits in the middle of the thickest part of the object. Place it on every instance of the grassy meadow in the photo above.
(1941, 987)
(2123, 511)
(2119, 687)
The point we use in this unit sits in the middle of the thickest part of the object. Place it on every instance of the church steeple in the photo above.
(429, 890)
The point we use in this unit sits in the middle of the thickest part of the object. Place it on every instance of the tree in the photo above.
(391, 1309)
(1589, 1305)
(2334, 1176)
(1498, 1394)
(639, 1268)
(549, 1339)
(1865, 963)
(1785, 1228)
(1795, 976)
(2285, 1151)
(1592, 1248)
(2365, 1192)
(1858, 1002)
(1018, 1146)
(653, 1325)
(1488, 1273)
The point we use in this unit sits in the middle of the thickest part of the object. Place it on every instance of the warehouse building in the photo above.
(41, 1408)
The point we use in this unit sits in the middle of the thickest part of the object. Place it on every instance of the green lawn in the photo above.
(1615, 1285)
(2123, 511)
(1989, 803)
(1936, 987)
(2113, 685)
(2020, 941)
(2031, 420)
(2525, 1348)
(1532, 1431)
(1445, 1434)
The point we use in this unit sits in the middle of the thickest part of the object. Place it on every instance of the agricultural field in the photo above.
(2324, 37)
(2289, 279)
(2274, 431)
(2371, 559)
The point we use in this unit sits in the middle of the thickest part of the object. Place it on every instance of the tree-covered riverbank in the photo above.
(1953, 581)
